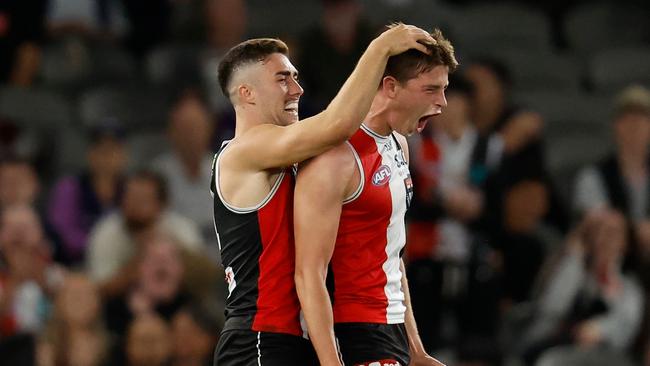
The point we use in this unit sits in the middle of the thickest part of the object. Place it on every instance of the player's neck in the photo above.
(246, 118)
(379, 116)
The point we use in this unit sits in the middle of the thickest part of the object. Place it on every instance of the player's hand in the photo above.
(401, 37)
(423, 359)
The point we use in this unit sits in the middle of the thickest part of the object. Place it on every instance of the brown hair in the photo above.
(250, 51)
(409, 64)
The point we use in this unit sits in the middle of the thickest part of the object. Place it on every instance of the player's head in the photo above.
(257, 75)
(415, 83)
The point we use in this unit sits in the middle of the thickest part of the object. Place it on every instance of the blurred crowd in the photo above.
(528, 240)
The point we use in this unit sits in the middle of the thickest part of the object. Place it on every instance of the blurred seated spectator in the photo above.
(510, 147)
(78, 201)
(492, 109)
(149, 342)
(19, 184)
(587, 301)
(187, 168)
(27, 278)
(524, 241)
(22, 29)
(196, 332)
(329, 51)
(75, 333)
(156, 287)
(117, 238)
(518, 146)
(621, 180)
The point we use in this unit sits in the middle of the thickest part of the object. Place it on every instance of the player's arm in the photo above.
(319, 193)
(267, 146)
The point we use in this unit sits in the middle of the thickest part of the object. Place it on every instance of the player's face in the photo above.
(278, 90)
(419, 99)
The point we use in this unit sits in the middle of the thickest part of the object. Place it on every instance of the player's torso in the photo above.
(257, 252)
(366, 260)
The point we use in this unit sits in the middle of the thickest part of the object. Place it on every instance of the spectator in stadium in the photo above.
(19, 184)
(149, 342)
(117, 238)
(187, 168)
(156, 287)
(621, 180)
(587, 301)
(27, 278)
(75, 334)
(77, 202)
(195, 336)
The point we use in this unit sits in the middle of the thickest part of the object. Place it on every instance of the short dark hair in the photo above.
(409, 64)
(252, 50)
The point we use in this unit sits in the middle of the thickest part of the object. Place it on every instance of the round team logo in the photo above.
(381, 176)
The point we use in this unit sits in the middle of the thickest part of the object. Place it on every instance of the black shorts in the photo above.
(238, 347)
(364, 343)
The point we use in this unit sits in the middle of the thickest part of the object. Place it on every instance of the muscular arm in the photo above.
(268, 146)
(320, 191)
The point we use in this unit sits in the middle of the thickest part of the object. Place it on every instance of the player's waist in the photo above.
(386, 312)
(263, 324)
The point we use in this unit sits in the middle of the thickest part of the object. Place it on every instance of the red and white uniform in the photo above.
(366, 261)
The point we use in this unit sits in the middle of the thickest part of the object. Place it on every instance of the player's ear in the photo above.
(245, 94)
(389, 86)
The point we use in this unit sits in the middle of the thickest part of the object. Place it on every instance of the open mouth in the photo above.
(422, 122)
(291, 108)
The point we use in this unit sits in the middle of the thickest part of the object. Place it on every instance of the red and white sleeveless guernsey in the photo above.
(365, 264)
(258, 255)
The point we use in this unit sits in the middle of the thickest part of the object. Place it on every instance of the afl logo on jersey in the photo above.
(381, 176)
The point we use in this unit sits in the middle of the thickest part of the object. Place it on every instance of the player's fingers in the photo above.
(421, 47)
(422, 40)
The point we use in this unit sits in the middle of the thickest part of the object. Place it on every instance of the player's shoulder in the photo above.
(336, 158)
(254, 137)
(241, 150)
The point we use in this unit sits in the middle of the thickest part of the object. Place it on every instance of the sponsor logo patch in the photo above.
(381, 176)
(230, 280)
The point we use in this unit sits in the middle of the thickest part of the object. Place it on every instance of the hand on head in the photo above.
(401, 37)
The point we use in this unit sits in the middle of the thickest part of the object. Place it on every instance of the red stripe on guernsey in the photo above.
(278, 308)
(360, 250)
